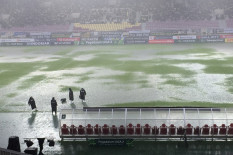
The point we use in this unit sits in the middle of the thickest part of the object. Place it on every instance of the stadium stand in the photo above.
(106, 27)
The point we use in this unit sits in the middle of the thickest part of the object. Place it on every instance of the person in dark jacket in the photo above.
(71, 95)
(82, 94)
(32, 103)
(54, 105)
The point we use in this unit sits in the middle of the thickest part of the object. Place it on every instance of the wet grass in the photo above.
(65, 50)
(14, 71)
(176, 82)
(128, 78)
(229, 84)
(11, 95)
(205, 51)
(16, 105)
(69, 75)
(172, 104)
(84, 77)
(64, 88)
(36, 48)
(215, 69)
(31, 81)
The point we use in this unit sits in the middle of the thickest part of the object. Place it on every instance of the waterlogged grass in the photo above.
(205, 51)
(172, 104)
(69, 75)
(218, 69)
(128, 78)
(64, 88)
(11, 95)
(65, 50)
(14, 71)
(229, 84)
(36, 48)
(16, 105)
(61, 64)
(176, 82)
(31, 81)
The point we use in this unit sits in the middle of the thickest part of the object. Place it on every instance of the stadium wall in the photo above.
(109, 38)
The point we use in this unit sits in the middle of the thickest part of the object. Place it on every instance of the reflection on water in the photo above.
(55, 121)
(73, 106)
(84, 104)
(31, 120)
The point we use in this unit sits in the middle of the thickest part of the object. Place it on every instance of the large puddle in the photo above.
(102, 89)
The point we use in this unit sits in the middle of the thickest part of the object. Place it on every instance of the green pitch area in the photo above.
(199, 75)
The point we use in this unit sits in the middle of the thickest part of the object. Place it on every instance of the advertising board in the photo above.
(226, 36)
(68, 39)
(20, 35)
(61, 35)
(90, 39)
(185, 41)
(136, 41)
(185, 37)
(40, 33)
(45, 40)
(161, 41)
(168, 32)
(38, 43)
(209, 37)
(17, 40)
(13, 44)
(62, 43)
(229, 40)
(41, 36)
(211, 40)
(100, 42)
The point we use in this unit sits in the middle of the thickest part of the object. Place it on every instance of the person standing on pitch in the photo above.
(82, 94)
(71, 95)
(54, 105)
(32, 103)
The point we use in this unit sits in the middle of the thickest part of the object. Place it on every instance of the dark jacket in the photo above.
(54, 104)
(82, 94)
(71, 95)
(32, 103)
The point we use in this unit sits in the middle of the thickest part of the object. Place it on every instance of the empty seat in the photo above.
(121, 130)
(180, 130)
(138, 129)
(205, 129)
(146, 129)
(163, 129)
(197, 130)
(214, 129)
(81, 130)
(73, 130)
(155, 130)
(189, 129)
(222, 130)
(97, 129)
(172, 129)
(105, 129)
(64, 129)
(130, 129)
(89, 129)
(114, 130)
(230, 129)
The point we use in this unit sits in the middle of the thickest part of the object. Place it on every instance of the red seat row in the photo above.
(147, 129)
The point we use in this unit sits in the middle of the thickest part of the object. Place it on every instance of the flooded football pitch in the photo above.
(198, 75)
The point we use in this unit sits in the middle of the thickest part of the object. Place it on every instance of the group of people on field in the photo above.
(32, 103)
